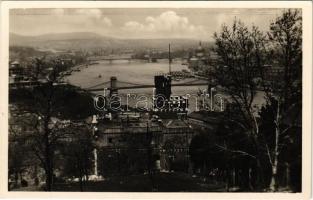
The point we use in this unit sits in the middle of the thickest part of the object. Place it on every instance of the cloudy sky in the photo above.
(136, 23)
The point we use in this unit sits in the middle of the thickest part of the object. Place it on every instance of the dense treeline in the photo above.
(268, 138)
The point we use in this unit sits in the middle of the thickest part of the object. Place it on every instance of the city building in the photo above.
(146, 132)
(16, 72)
(199, 59)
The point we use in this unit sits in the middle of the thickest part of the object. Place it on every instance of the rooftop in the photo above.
(109, 127)
(206, 116)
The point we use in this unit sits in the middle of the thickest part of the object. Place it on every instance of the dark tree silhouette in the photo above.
(284, 94)
(241, 57)
(77, 153)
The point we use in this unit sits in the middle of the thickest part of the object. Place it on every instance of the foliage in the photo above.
(77, 153)
(68, 101)
(244, 58)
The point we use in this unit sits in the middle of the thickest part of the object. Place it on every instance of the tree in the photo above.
(284, 95)
(20, 157)
(222, 155)
(78, 153)
(285, 37)
(17, 161)
(241, 57)
(48, 132)
(282, 143)
(50, 102)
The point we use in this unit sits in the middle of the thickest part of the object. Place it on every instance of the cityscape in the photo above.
(159, 100)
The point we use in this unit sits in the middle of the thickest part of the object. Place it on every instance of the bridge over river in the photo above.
(111, 57)
(114, 84)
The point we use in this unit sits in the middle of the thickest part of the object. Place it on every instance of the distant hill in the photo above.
(88, 40)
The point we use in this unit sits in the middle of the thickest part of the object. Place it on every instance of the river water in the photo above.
(137, 72)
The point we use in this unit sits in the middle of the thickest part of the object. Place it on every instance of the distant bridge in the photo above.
(111, 57)
(113, 84)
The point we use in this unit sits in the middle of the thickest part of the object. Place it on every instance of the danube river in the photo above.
(137, 72)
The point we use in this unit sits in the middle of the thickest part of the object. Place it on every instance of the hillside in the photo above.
(87, 40)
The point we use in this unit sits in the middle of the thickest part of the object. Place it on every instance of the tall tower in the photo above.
(113, 82)
(162, 90)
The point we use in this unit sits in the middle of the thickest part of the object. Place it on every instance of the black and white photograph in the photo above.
(163, 99)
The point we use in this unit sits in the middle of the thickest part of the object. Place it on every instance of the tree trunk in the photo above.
(81, 182)
(16, 178)
(47, 152)
(85, 167)
(259, 180)
(250, 179)
(274, 184)
(288, 184)
(48, 179)
(227, 176)
(21, 178)
(234, 183)
(36, 175)
(49, 166)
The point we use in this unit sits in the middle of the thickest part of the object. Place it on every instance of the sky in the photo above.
(192, 23)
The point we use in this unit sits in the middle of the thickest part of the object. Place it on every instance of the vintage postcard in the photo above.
(169, 99)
